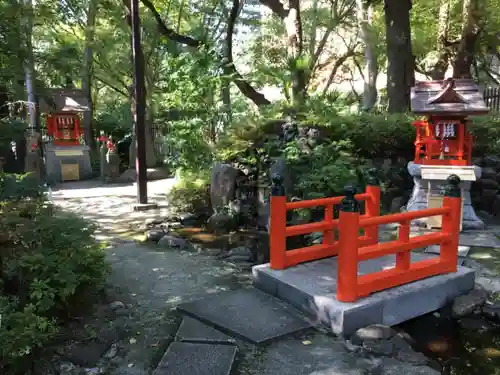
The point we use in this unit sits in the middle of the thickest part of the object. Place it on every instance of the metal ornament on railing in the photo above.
(349, 203)
(452, 188)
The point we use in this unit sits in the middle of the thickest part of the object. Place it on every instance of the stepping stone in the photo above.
(463, 251)
(192, 330)
(183, 358)
(479, 239)
(249, 314)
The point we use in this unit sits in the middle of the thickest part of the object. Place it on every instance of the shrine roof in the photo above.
(63, 100)
(451, 96)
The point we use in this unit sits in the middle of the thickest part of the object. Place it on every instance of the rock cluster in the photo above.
(160, 230)
(247, 249)
(476, 311)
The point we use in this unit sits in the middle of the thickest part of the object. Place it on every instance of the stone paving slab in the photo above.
(192, 330)
(471, 238)
(248, 314)
(184, 358)
(311, 287)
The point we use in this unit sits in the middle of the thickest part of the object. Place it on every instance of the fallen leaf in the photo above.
(306, 342)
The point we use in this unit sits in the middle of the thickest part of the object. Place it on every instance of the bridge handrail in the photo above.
(351, 286)
(281, 258)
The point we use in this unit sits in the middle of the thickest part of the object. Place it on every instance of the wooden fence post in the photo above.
(277, 224)
(451, 223)
(372, 204)
(347, 261)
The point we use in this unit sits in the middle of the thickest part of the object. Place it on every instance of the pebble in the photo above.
(381, 347)
(116, 305)
(373, 332)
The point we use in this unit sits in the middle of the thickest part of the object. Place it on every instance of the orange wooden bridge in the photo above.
(354, 238)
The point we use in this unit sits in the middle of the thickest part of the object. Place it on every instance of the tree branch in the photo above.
(168, 32)
(229, 67)
(245, 87)
(114, 88)
(341, 60)
(276, 6)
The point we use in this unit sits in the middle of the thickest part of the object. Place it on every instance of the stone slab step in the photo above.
(192, 330)
(183, 358)
(248, 314)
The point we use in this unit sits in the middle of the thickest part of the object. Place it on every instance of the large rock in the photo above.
(220, 223)
(169, 241)
(467, 303)
(489, 183)
(223, 185)
(491, 161)
(488, 173)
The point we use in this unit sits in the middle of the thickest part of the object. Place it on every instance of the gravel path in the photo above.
(110, 206)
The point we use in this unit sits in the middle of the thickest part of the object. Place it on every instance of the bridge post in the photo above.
(277, 224)
(347, 266)
(451, 222)
(372, 204)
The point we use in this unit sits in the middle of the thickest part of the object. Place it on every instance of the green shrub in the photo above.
(11, 129)
(350, 140)
(486, 130)
(190, 194)
(48, 260)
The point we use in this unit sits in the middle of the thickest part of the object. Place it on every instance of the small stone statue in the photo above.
(33, 160)
(112, 160)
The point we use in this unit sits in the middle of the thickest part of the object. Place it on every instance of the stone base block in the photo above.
(130, 175)
(311, 288)
(418, 200)
(145, 206)
(57, 155)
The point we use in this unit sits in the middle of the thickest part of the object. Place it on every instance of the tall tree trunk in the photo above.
(29, 67)
(225, 92)
(149, 124)
(295, 47)
(88, 59)
(400, 60)
(472, 17)
(365, 20)
(150, 152)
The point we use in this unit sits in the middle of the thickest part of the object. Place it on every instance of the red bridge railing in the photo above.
(352, 248)
(282, 258)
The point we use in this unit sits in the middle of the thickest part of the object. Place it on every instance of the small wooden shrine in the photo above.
(443, 137)
(67, 157)
(444, 144)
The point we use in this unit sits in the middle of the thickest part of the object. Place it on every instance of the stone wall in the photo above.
(485, 193)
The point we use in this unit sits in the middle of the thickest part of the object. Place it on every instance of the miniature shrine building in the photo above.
(66, 156)
(444, 144)
(443, 138)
